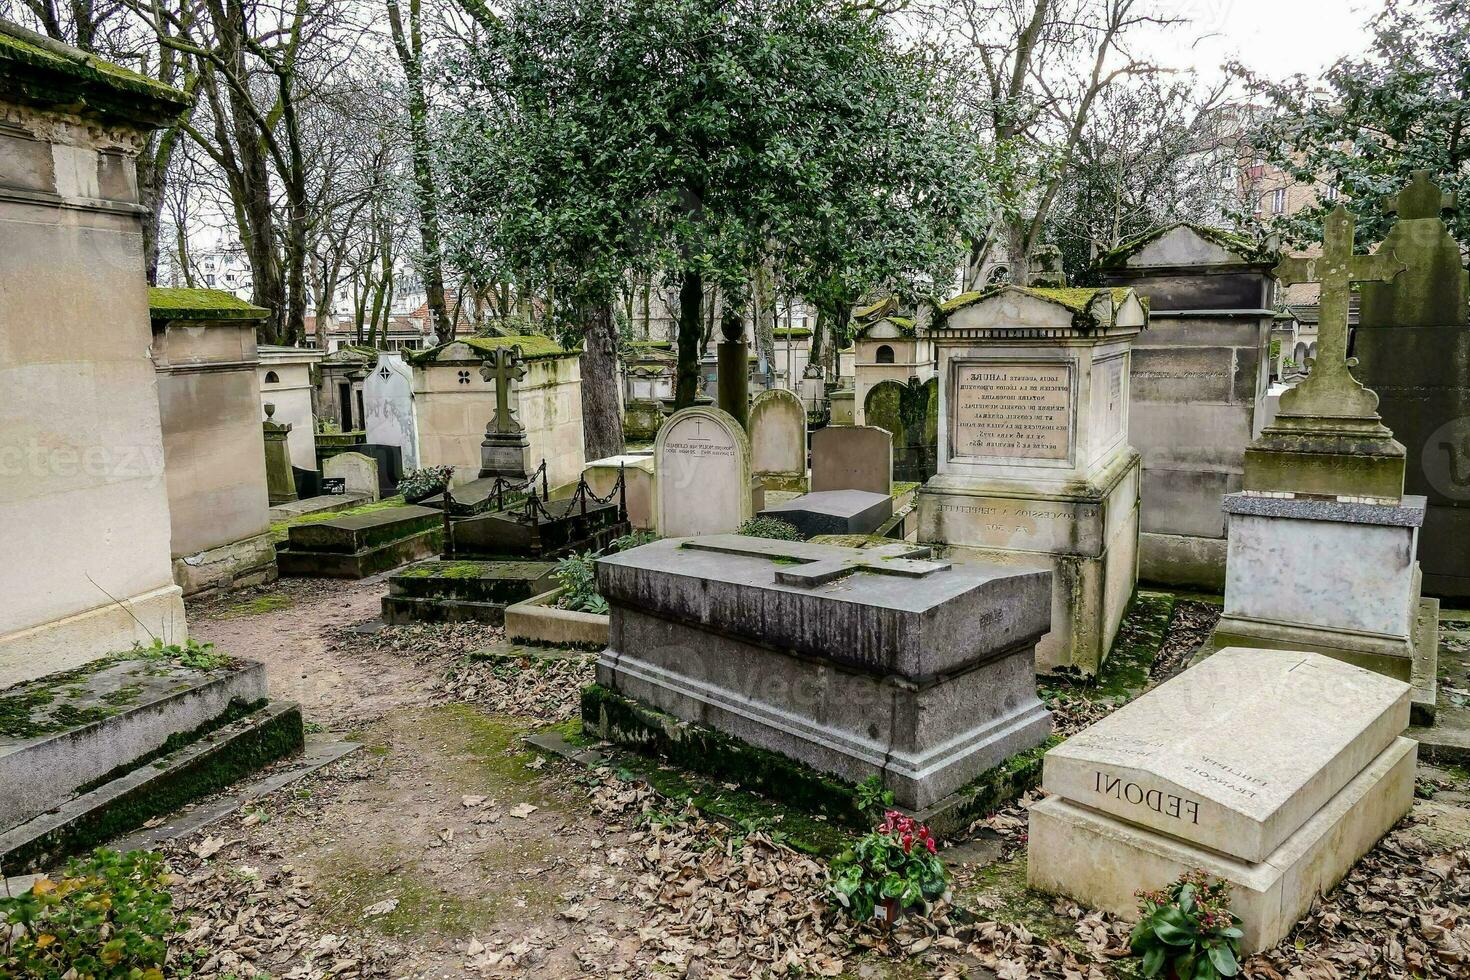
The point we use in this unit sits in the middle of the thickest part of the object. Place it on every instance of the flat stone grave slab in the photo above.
(362, 544)
(456, 590)
(834, 512)
(475, 497)
(1272, 769)
(510, 534)
(858, 663)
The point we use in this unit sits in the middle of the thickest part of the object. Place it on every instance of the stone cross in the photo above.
(1331, 390)
(809, 565)
(502, 366)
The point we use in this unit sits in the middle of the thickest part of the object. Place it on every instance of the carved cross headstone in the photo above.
(1331, 391)
(502, 366)
(810, 565)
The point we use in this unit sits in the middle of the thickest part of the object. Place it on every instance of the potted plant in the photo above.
(421, 484)
(1187, 931)
(889, 871)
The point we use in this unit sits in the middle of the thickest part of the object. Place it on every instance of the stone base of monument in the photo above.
(1087, 537)
(856, 663)
(1181, 561)
(458, 591)
(363, 544)
(834, 512)
(1336, 578)
(504, 454)
(1273, 770)
(238, 565)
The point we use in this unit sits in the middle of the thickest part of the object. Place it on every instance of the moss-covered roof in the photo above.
(1075, 298)
(791, 332)
(1247, 248)
(39, 71)
(357, 353)
(904, 324)
(876, 310)
(533, 347)
(200, 304)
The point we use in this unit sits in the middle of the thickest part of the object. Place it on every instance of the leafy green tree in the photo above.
(1373, 120)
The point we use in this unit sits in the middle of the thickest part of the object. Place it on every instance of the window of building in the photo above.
(271, 378)
(1278, 201)
(884, 354)
(1329, 193)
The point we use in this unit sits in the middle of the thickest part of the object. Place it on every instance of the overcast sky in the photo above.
(1274, 37)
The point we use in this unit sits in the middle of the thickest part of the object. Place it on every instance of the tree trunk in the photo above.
(602, 416)
(691, 335)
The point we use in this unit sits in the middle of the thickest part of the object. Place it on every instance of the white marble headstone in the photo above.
(387, 400)
(1236, 753)
(702, 459)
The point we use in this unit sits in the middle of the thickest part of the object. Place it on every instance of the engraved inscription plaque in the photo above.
(1011, 409)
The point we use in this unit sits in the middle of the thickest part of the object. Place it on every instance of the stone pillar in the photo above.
(279, 481)
(734, 380)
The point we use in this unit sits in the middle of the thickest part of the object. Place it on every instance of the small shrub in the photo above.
(109, 916)
(1188, 928)
(630, 541)
(578, 578)
(871, 796)
(770, 527)
(896, 861)
(421, 483)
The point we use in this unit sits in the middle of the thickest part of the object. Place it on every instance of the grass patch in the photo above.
(272, 602)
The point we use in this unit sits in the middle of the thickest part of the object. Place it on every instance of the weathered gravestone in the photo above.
(857, 663)
(1273, 770)
(777, 430)
(387, 400)
(852, 457)
(359, 472)
(1034, 459)
(909, 410)
(1413, 343)
(280, 484)
(703, 463)
(1322, 539)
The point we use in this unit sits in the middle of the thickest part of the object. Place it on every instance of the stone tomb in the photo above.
(777, 430)
(387, 406)
(852, 457)
(857, 663)
(834, 512)
(458, 591)
(1197, 389)
(1034, 461)
(1274, 770)
(640, 480)
(704, 483)
(362, 544)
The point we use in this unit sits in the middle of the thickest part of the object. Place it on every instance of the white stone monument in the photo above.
(778, 440)
(387, 400)
(703, 462)
(1271, 769)
(639, 479)
(1034, 461)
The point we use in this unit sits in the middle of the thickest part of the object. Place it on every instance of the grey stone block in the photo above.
(834, 512)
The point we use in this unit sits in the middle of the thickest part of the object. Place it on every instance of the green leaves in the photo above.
(1188, 929)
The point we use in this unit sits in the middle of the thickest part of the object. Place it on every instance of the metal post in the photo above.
(622, 494)
(448, 546)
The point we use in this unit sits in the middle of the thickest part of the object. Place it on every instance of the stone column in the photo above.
(734, 379)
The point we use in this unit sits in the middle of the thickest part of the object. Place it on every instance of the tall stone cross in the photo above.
(1331, 391)
(502, 366)
(809, 565)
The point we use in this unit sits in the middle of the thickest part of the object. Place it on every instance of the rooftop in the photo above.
(200, 304)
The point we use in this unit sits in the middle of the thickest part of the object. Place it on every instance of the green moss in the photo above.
(533, 347)
(999, 893)
(793, 333)
(38, 70)
(1247, 248)
(233, 712)
(272, 602)
(280, 530)
(200, 304)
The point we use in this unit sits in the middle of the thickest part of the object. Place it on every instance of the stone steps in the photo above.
(129, 799)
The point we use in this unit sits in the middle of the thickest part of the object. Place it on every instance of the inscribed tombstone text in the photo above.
(1018, 410)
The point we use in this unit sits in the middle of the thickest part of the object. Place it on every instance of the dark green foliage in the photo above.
(108, 916)
(897, 861)
(1188, 929)
(1404, 106)
(577, 576)
(770, 527)
(191, 653)
(425, 482)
